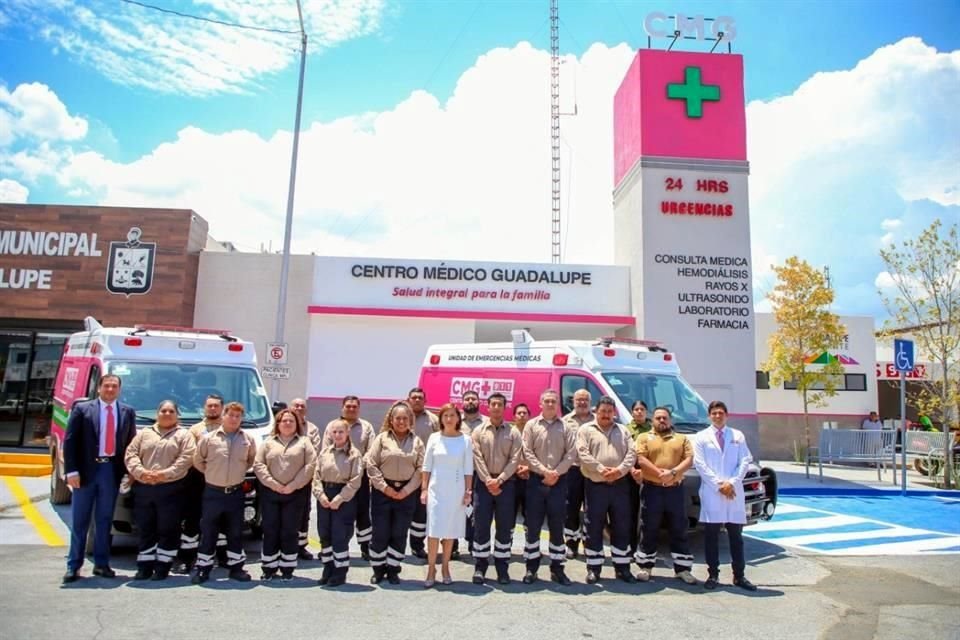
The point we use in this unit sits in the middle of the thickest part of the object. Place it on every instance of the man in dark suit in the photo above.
(98, 432)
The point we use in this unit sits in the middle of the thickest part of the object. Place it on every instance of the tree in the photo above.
(806, 329)
(925, 274)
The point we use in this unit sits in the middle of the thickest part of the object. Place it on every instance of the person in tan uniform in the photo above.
(158, 459)
(550, 448)
(606, 457)
(284, 465)
(361, 434)
(496, 455)
(335, 486)
(193, 492)
(425, 423)
(313, 433)
(223, 457)
(664, 456)
(472, 419)
(572, 527)
(393, 464)
(521, 414)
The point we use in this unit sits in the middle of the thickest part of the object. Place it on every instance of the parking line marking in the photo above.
(47, 533)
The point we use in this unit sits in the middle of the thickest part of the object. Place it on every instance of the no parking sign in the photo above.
(276, 353)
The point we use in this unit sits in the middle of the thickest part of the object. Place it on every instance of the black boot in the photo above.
(379, 573)
(286, 573)
(144, 570)
(238, 574)
(327, 573)
(393, 575)
(338, 578)
(200, 576)
(161, 571)
(268, 574)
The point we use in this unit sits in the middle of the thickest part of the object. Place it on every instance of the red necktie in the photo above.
(109, 443)
(720, 438)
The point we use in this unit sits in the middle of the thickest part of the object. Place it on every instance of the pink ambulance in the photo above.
(626, 370)
(157, 363)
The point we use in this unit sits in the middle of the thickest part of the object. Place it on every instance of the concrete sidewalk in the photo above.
(792, 476)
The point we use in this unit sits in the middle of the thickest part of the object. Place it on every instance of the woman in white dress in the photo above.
(446, 489)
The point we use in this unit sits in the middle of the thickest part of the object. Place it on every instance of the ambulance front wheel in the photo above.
(59, 491)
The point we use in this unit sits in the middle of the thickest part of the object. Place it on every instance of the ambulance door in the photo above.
(570, 383)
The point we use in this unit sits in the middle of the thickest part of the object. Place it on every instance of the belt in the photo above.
(230, 489)
(396, 484)
(333, 485)
(103, 459)
(651, 483)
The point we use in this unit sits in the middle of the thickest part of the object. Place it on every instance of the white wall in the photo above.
(374, 357)
(239, 292)
(861, 347)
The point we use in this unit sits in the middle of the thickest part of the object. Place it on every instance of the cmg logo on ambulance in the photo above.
(483, 387)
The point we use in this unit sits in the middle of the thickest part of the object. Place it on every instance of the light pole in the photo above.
(285, 265)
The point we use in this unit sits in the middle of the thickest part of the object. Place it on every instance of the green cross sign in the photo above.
(693, 92)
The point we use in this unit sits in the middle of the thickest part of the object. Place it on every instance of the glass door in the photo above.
(15, 351)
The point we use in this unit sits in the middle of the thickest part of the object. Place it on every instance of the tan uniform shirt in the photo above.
(665, 452)
(361, 435)
(549, 445)
(426, 424)
(169, 451)
(314, 435)
(203, 428)
(574, 421)
(343, 466)
(610, 449)
(496, 451)
(291, 464)
(222, 462)
(467, 427)
(398, 461)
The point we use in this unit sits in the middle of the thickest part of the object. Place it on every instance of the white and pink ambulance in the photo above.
(156, 363)
(626, 370)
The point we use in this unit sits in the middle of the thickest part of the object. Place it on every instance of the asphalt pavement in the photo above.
(804, 592)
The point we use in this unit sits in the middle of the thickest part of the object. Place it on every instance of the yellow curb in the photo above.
(46, 531)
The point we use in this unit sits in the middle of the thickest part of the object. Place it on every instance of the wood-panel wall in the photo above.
(78, 283)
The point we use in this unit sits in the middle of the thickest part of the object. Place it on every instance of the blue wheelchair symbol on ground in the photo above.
(903, 355)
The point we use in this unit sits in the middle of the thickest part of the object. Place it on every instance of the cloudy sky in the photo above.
(426, 123)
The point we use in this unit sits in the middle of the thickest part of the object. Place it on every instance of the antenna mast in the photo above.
(555, 126)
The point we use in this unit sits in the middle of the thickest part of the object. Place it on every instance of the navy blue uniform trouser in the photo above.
(391, 523)
(156, 511)
(572, 529)
(280, 517)
(191, 512)
(548, 503)
(335, 528)
(94, 500)
(711, 544)
(659, 503)
(361, 501)
(487, 508)
(605, 500)
(221, 511)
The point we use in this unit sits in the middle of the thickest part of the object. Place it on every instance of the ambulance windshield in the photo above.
(147, 384)
(688, 409)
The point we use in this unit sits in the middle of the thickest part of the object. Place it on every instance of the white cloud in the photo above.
(34, 110)
(13, 192)
(139, 47)
(884, 281)
(470, 178)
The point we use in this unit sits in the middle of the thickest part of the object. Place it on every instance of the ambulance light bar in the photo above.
(653, 345)
(223, 333)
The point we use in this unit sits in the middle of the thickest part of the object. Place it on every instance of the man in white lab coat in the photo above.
(721, 457)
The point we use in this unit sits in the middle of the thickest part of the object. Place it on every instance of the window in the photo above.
(92, 382)
(763, 380)
(856, 381)
(571, 384)
(688, 409)
(845, 382)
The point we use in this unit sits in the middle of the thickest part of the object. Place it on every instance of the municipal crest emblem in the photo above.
(130, 269)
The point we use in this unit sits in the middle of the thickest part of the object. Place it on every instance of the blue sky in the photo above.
(133, 96)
